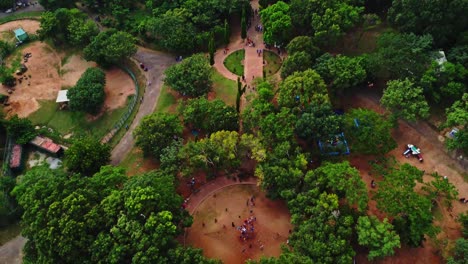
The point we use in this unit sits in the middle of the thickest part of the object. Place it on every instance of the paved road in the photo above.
(12, 251)
(157, 62)
(31, 8)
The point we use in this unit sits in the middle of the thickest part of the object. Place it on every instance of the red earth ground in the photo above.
(212, 227)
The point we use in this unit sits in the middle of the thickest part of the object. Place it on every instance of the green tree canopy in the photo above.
(303, 43)
(342, 72)
(156, 132)
(277, 23)
(319, 122)
(342, 179)
(54, 4)
(302, 89)
(297, 62)
(5, 4)
(325, 21)
(110, 47)
(443, 19)
(106, 218)
(191, 77)
(368, 132)
(87, 156)
(460, 254)
(88, 93)
(210, 116)
(405, 100)
(21, 129)
(412, 211)
(403, 55)
(445, 83)
(378, 236)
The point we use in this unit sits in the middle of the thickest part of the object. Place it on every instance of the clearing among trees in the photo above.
(212, 228)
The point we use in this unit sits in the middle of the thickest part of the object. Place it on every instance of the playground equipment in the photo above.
(413, 150)
(335, 146)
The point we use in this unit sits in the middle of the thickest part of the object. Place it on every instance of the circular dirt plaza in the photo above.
(261, 225)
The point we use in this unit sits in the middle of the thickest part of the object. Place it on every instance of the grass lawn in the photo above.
(167, 103)
(24, 15)
(224, 88)
(233, 62)
(66, 121)
(273, 62)
(136, 163)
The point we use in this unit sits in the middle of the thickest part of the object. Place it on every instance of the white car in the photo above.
(9, 11)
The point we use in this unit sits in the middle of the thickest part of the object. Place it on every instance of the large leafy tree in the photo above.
(405, 100)
(5, 4)
(326, 21)
(302, 89)
(322, 233)
(369, 132)
(411, 211)
(457, 115)
(403, 55)
(342, 179)
(443, 19)
(55, 4)
(303, 43)
(173, 31)
(444, 82)
(378, 236)
(277, 23)
(342, 72)
(87, 155)
(297, 62)
(191, 77)
(21, 129)
(460, 254)
(210, 116)
(110, 47)
(88, 93)
(222, 150)
(319, 122)
(156, 132)
(106, 218)
(69, 26)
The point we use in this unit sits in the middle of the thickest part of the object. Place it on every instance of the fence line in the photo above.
(7, 155)
(116, 128)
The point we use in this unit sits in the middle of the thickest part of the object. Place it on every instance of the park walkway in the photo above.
(210, 188)
(253, 64)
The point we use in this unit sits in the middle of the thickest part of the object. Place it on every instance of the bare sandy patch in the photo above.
(40, 82)
(73, 69)
(30, 26)
(119, 85)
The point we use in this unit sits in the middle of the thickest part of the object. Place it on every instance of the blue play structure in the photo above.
(334, 146)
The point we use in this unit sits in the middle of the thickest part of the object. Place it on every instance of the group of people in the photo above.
(259, 52)
(247, 229)
(250, 42)
(259, 28)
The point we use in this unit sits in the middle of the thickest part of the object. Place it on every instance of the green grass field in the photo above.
(66, 121)
(273, 62)
(233, 62)
(224, 88)
(25, 15)
(167, 103)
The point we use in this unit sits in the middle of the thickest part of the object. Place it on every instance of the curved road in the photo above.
(157, 62)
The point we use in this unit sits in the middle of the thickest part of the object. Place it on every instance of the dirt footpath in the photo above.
(12, 252)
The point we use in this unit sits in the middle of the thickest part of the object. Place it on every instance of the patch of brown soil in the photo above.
(43, 83)
(73, 69)
(30, 26)
(119, 85)
(220, 240)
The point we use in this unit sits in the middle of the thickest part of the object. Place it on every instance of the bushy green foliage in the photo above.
(191, 77)
(67, 26)
(301, 89)
(105, 218)
(372, 134)
(110, 47)
(86, 156)
(156, 132)
(6, 4)
(277, 23)
(378, 236)
(405, 100)
(445, 83)
(21, 129)
(341, 72)
(209, 116)
(88, 93)
(319, 122)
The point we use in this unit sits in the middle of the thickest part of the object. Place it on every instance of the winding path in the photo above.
(157, 62)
